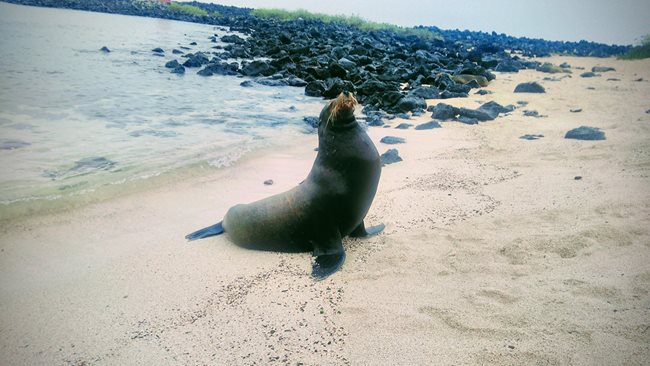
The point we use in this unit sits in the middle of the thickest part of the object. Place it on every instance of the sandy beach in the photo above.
(497, 251)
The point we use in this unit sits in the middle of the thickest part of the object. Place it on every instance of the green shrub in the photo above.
(639, 52)
(189, 9)
(350, 20)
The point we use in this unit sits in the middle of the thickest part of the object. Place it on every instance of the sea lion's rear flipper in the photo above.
(362, 232)
(329, 256)
(215, 229)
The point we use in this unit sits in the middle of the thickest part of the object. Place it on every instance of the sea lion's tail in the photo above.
(213, 230)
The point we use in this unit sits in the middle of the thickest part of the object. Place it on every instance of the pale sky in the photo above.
(606, 21)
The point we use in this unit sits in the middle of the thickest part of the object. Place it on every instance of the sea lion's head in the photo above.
(338, 114)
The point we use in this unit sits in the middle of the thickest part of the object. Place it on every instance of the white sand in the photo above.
(493, 253)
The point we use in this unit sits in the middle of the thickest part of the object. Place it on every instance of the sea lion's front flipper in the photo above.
(326, 264)
(329, 256)
(362, 232)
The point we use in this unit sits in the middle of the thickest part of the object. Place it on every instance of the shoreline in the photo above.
(494, 253)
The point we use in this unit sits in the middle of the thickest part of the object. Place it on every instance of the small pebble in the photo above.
(268, 182)
(577, 177)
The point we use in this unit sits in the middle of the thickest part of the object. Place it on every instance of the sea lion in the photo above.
(331, 203)
(467, 78)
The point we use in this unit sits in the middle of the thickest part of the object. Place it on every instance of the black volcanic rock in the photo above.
(531, 87)
(172, 64)
(315, 88)
(389, 157)
(196, 59)
(257, 68)
(180, 69)
(411, 103)
(585, 133)
(296, 81)
(404, 126)
(425, 92)
(446, 94)
(221, 68)
(311, 121)
(233, 39)
(496, 108)
(443, 112)
(375, 121)
(531, 137)
(391, 140)
(467, 120)
(374, 64)
(428, 125)
(335, 86)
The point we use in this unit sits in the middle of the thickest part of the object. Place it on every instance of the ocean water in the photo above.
(78, 124)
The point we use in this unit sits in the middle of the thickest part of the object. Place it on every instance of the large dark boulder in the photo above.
(180, 69)
(296, 81)
(531, 87)
(389, 157)
(270, 81)
(585, 133)
(392, 140)
(196, 59)
(467, 120)
(443, 112)
(411, 103)
(311, 121)
(220, 69)
(172, 64)
(233, 39)
(347, 64)
(446, 94)
(239, 52)
(372, 87)
(495, 108)
(257, 68)
(428, 125)
(315, 88)
(389, 99)
(335, 86)
(478, 114)
(337, 71)
(509, 66)
(426, 92)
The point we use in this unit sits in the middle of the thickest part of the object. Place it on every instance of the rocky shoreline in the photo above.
(389, 72)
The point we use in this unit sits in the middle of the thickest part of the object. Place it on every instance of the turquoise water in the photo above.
(77, 124)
